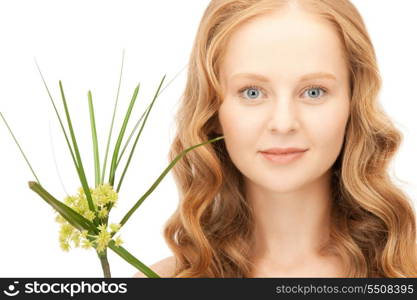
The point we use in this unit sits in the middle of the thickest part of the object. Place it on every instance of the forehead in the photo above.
(286, 44)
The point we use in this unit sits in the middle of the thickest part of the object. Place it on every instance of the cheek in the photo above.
(328, 133)
(238, 124)
(241, 131)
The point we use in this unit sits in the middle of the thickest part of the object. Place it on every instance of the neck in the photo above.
(291, 227)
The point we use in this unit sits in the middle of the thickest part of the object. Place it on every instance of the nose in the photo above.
(283, 117)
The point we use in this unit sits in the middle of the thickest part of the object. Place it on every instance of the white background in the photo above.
(81, 43)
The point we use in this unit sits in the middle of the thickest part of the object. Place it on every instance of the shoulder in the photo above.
(164, 268)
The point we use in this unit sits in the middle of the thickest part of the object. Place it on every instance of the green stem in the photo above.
(104, 263)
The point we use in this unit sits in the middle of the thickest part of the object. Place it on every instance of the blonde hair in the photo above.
(211, 232)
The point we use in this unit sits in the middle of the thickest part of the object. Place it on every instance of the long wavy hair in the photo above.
(373, 227)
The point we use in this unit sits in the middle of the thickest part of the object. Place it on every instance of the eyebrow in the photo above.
(305, 77)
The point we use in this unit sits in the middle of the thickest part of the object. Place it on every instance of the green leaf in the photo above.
(94, 136)
(112, 120)
(140, 119)
(156, 183)
(80, 169)
(121, 134)
(73, 217)
(21, 151)
(59, 118)
(131, 135)
(123, 253)
(137, 124)
(137, 137)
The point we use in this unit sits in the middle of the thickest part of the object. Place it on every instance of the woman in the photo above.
(270, 74)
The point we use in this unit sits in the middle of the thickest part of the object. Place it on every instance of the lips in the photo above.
(284, 156)
(283, 150)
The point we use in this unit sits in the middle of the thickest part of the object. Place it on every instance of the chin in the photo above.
(284, 186)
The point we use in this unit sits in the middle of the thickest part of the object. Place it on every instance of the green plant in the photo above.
(84, 216)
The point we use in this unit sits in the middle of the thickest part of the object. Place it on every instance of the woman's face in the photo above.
(299, 98)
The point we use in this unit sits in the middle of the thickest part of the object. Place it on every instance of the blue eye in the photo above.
(253, 92)
(314, 91)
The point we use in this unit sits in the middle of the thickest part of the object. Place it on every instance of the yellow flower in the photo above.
(64, 246)
(102, 227)
(81, 194)
(87, 244)
(66, 230)
(76, 239)
(104, 194)
(118, 241)
(62, 238)
(115, 227)
(89, 215)
(103, 212)
(69, 200)
(84, 234)
(60, 219)
(102, 240)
